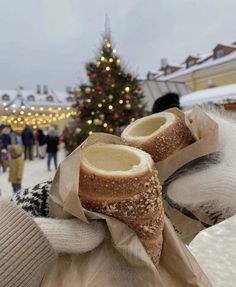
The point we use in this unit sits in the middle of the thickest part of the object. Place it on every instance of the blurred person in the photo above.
(16, 167)
(170, 100)
(52, 142)
(42, 143)
(28, 141)
(36, 143)
(5, 137)
(5, 141)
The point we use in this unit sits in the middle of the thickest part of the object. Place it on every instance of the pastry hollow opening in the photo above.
(147, 126)
(110, 158)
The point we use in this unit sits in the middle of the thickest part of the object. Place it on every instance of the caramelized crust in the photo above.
(164, 143)
(134, 199)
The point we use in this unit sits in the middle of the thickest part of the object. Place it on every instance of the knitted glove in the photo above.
(65, 235)
(34, 200)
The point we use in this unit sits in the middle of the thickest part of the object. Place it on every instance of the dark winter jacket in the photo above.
(27, 137)
(52, 144)
(41, 138)
(5, 141)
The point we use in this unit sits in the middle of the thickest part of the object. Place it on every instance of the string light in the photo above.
(105, 125)
(41, 108)
(99, 105)
(118, 61)
(110, 60)
(110, 107)
(121, 101)
(127, 89)
(108, 45)
(102, 59)
(114, 51)
(90, 132)
(108, 68)
(89, 122)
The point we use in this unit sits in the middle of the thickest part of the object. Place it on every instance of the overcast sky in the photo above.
(49, 41)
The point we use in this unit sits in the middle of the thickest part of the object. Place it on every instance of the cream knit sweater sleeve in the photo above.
(25, 253)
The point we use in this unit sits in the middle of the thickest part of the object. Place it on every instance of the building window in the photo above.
(50, 99)
(219, 53)
(190, 63)
(31, 98)
(5, 97)
(168, 71)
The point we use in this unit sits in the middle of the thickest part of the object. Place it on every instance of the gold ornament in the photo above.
(78, 130)
(103, 100)
(97, 122)
(110, 97)
(102, 117)
(87, 90)
(128, 106)
(98, 63)
(127, 89)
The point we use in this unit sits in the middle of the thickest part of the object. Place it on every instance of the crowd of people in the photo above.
(29, 144)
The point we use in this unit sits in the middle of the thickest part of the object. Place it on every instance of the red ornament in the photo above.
(74, 143)
(98, 89)
(138, 88)
(93, 76)
(78, 120)
(71, 133)
(129, 76)
(116, 116)
(127, 97)
(81, 106)
(62, 139)
(75, 105)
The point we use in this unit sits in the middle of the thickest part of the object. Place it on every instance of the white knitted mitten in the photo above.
(66, 235)
(72, 235)
(208, 188)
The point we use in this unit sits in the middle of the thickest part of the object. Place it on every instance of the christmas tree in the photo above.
(111, 100)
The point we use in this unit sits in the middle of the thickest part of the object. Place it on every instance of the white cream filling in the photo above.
(115, 159)
(146, 127)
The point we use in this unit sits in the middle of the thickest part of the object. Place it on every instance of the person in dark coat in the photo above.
(170, 100)
(52, 142)
(28, 141)
(42, 143)
(5, 138)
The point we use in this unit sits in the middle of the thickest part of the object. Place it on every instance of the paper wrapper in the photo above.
(121, 260)
(188, 223)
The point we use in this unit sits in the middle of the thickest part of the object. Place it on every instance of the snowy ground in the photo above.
(214, 248)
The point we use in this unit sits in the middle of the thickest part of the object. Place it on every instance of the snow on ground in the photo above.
(213, 248)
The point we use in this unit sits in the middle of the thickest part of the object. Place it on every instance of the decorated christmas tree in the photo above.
(110, 100)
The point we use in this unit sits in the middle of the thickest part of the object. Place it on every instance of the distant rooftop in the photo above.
(220, 53)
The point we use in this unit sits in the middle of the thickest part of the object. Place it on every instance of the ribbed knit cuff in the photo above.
(25, 253)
